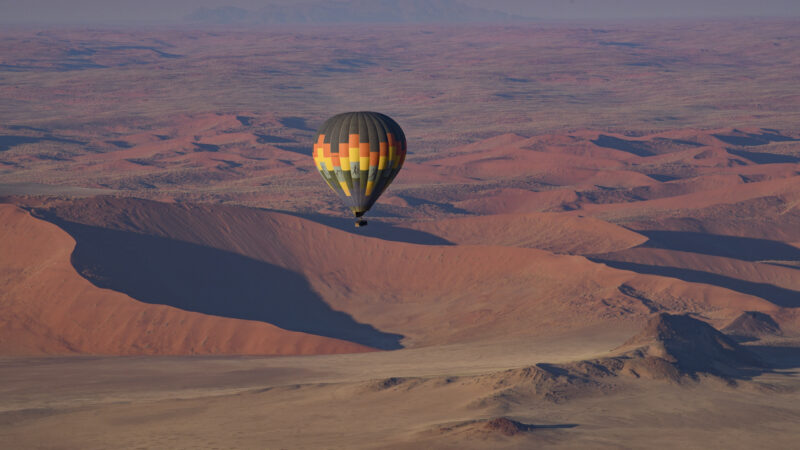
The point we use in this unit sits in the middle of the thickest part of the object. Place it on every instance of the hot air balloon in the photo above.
(358, 154)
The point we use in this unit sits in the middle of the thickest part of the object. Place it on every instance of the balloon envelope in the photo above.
(359, 154)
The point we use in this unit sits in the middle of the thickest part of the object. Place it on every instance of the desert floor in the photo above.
(399, 399)
(594, 241)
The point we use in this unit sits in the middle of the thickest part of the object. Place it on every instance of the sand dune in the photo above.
(696, 200)
(515, 200)
(546, 231)
(50, 309)
(477, 291)
(502, 278)
(752, 325)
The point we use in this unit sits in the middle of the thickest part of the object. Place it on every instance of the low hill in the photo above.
(682, 345)
(753, 325)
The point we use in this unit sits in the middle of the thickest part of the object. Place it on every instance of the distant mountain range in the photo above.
(358, 11)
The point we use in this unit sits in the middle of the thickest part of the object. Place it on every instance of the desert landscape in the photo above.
(594, 241)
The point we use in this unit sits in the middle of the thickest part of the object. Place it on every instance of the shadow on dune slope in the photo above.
(741, 248)
(746, 249)
(778, 357)
(210, 281)
(637, 148)
(764, 158)
(742, 139)
(779, 296)
(376, 229)
(735, 247)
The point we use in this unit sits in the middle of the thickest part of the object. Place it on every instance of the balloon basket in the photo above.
(360, 223)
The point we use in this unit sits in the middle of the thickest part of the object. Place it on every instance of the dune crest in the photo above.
(553, 232)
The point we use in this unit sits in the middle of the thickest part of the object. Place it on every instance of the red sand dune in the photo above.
(430, 294)
(181, 148)
(752, 271)
(697, 200)
(553, 232)
(554, 193)
(48, 308)
(515, 200)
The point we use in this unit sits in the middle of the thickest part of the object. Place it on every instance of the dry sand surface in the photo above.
(403, 399)
(582, 209)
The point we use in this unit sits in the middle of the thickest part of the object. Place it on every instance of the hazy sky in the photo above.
(172, 11)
